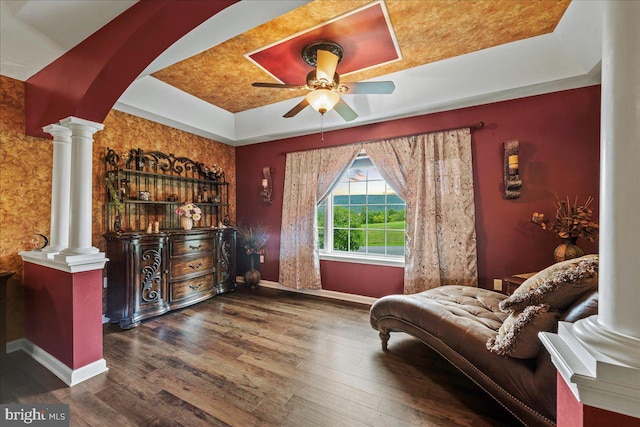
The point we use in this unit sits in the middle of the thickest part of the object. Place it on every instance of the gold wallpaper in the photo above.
(25, 188)
(123, 131)
(25, 179)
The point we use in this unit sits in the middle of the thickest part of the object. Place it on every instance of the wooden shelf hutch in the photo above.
(154, 265)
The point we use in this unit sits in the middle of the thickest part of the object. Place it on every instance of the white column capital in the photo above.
(59, 133)
(81, 125)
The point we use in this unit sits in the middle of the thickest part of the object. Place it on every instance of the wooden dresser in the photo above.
(150, 274)
(154, 264)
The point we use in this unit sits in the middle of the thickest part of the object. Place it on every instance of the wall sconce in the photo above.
(266, 185)
(512, 182)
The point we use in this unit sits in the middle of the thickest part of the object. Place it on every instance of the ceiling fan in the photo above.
(324, 85)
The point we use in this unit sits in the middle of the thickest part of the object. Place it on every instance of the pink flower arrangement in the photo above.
(190, 211)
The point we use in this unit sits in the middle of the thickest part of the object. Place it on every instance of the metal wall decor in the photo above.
(267, 185)
(512, 181)
(146, 188)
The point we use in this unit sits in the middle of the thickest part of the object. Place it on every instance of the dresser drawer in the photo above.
(190, 246)
(187, 265)
(192, 287)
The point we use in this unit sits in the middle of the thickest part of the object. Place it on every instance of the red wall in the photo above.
(63, 313)
(559, 136)
(572, 413)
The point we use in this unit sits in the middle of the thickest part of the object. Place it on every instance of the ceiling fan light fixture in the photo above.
(323, 100)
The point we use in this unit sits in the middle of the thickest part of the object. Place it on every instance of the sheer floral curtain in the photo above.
(432, 173)
(308, 177)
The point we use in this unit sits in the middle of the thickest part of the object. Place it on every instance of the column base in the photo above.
(69, 376)
(80, 251)
(595, 379)
(52, 249)
(622, 348)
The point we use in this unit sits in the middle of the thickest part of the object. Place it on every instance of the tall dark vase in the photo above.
(568, 250)
(252, 276)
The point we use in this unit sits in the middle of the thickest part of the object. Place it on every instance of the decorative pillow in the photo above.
(558, 285)
(518, 335)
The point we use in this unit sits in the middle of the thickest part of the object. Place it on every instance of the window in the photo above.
(362, 218)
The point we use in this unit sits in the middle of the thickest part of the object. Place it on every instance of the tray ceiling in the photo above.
(427, 31)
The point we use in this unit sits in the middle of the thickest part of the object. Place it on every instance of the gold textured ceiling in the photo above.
(426, 31)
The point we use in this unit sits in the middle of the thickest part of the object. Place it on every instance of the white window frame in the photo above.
(327, 253)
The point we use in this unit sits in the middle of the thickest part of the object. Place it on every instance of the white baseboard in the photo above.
(316, 292)
(69, 376)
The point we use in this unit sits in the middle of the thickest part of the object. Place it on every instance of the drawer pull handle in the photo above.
(195, 267)
(195, 288)
(195, 247)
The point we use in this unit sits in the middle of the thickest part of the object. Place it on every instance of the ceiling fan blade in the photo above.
(345, 111)
(299, 107)
(277, 85)
(327, 64)
(369, 87)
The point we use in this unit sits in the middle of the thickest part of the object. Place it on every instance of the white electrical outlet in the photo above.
(497, 284)
(261, 259)
(104, 282)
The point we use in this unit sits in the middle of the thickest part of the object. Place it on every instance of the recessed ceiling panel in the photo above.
(365, 36)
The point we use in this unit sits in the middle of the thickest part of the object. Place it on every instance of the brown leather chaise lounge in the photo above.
(492, 338)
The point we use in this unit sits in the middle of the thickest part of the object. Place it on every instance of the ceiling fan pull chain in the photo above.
(322, 128)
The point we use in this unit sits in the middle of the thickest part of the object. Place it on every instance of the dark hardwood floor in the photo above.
(261, 357)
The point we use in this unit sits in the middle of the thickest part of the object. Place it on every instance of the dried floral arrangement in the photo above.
(573, 221)
(254, 238)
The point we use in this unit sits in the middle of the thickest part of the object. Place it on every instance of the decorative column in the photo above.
(616, 329)
(60, 185)
(63, 291)
(81, 185)
(599, 357)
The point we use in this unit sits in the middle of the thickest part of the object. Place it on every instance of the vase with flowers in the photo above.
(254, 239)
(573, 221)
(188, 213)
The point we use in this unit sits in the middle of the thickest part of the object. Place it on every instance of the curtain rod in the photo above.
(472, 127)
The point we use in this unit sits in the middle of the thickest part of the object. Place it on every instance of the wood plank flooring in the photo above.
(260, 357)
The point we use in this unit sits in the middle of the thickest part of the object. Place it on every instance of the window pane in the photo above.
(321, 210)
(340, 216)
(376, 192)
(357, 174)
(368, 217)
(357, 216)
(347, 240)
(358, 192)
(395, 242)
(373, 174)
(376, 216)
(341, 189)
